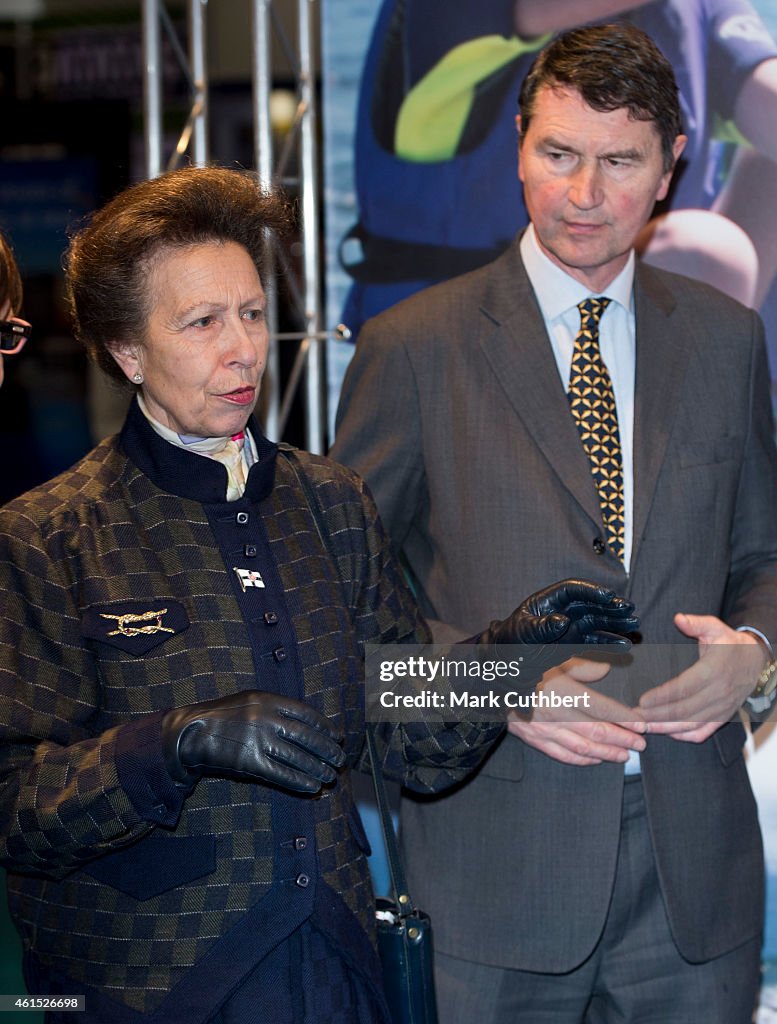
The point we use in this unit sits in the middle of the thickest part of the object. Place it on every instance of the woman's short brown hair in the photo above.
(108, 262)
(10, 280)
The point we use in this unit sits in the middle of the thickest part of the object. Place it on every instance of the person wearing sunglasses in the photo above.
(14, 332)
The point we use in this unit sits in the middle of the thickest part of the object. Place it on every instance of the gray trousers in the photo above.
(635, 974)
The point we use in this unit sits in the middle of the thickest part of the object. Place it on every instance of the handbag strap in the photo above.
(290, 454)
(396, 871)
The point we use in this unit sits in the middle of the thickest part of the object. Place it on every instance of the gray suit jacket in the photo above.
(454, 412)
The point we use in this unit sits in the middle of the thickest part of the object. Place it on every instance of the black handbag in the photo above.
(404, 932)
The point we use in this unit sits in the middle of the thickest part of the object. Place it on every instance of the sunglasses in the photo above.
(13, 334)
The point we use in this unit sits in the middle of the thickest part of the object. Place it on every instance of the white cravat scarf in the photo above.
(235, 453)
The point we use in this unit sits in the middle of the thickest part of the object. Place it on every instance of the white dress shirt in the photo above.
(558, 295)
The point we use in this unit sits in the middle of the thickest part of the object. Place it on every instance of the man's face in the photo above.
(590, 182)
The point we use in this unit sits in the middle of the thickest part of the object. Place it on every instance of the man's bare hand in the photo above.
(605, 730)
(695, 703)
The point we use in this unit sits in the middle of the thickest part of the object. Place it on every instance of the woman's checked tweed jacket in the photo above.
(129, 585)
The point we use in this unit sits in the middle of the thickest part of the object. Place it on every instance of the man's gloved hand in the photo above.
(255, 735)
(569, 612)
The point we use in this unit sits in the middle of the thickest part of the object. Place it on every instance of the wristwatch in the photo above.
(765, 693)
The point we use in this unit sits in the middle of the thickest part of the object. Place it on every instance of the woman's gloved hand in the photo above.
(254, 735)
(569, 612)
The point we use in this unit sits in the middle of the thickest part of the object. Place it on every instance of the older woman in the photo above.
(13, 331)
(182, 622)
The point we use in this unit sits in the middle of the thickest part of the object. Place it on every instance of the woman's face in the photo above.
(205, 344)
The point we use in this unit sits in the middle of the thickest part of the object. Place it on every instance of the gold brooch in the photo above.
(138, 624)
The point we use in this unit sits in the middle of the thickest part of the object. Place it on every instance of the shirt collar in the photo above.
(557, 291)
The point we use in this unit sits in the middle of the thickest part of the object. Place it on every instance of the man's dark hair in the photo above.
(611, 67)
(108, 263)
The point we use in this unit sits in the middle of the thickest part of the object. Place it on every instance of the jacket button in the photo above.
(301, 843)
(303, 881)
(279, 654)
(599, 546)
(241, 518)
(250, 550)
(271, 618)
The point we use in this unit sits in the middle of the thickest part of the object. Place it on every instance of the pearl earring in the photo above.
(137, 378)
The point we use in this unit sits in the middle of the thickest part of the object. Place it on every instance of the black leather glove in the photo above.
(569, 612)
(254, 735)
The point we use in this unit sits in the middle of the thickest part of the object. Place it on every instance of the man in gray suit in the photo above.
(607, 868)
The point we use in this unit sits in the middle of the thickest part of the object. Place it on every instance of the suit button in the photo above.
(241, 518)
(250, 550)
(599, 546)
(279, 654)
(301, 843)
(271, 618)
(303, 881)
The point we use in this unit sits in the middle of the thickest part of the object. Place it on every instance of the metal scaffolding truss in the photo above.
(305, 279)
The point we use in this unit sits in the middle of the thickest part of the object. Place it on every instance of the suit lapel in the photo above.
(515, 344)
(662, 360)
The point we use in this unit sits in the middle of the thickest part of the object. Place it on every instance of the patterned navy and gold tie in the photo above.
(592, 403)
